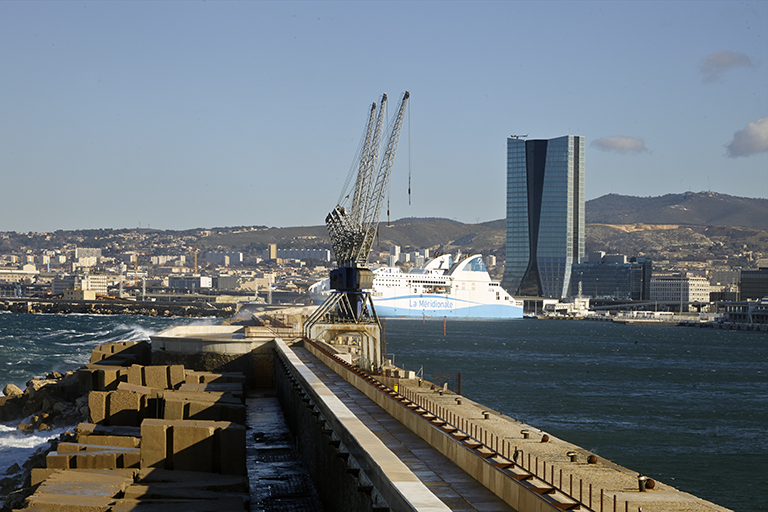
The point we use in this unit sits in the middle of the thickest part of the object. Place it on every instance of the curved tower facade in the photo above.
(545, 215)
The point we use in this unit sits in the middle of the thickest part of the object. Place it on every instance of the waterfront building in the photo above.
(545, 215)
(680, 288)
(97, 283)
(746, 312)
(754, 283)
(189, 282)
(13, 275)
(296, 254)
(612, 276)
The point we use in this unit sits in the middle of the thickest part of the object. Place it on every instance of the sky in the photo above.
(180, 115)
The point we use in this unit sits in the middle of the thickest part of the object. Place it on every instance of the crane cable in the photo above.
(409, 154)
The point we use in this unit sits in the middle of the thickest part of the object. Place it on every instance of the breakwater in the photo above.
(666, 401)
(474, 424)
(118, 307)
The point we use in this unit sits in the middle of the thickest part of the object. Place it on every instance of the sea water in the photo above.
(33, 344)
(685, 406)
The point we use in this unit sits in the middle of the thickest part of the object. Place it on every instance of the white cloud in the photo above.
(751, 140)
(620, 144)
(715, 64)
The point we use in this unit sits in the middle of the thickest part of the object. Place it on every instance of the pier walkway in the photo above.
(454, 487)
(495, 449)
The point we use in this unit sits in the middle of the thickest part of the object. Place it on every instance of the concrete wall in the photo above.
(329, 431)
(520, 493)
(334, 472)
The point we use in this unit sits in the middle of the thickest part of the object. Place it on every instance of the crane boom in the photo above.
(352, 233)
(349, 308)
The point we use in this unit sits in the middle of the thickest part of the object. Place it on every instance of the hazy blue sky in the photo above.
(200, 114)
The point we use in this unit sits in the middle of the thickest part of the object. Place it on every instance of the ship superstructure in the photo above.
(441, 289)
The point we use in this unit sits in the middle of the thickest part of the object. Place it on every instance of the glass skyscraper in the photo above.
(545, 215)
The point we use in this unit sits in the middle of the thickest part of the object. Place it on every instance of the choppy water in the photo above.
(31, 345)
(686, 406)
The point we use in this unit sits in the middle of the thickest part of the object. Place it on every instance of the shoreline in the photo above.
(119, 307)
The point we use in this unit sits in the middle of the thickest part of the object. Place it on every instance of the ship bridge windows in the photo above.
(476, 264)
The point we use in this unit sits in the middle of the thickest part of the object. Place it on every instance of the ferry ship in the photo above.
(440, 289)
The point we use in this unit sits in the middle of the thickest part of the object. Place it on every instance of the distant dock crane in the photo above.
(349, 308)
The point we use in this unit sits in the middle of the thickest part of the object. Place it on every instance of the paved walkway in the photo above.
(451, 485)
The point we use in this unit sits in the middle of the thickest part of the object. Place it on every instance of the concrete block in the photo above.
(95, 460)
(109, 441)
(98, 403)
(208, 481)
(92, 429)
(175, 375)
(154, 444)
(39, 475)
(124, 408)
(175, 409)
(203, 411)
(231, 441)
(156, 377)
(80, 490)
(129, 458)
(135, 375)
(86, 380)
(193, 445)
(200, 396)
(176, 491)
(69, 503)
(144, 390)
(106, 379)
(234, 413)
(125, 505)
(56, 460)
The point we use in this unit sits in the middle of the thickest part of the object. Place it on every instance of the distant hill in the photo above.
(697, 226)
(691, 208)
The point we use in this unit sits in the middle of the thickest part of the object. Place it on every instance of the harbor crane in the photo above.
(349, 306)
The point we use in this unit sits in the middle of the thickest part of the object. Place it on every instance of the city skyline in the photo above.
(194, 114)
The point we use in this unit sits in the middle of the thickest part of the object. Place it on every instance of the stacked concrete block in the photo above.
(140, 419)
(122, 353)
(95, 377)
(87, 456)
(119, 407)
(221, 387)
(98, 377)
(201, 405)
(190, 445)
(81, 490)
(195, 377)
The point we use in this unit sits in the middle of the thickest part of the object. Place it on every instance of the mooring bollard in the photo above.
(525, 433)
(572, 456)
(486, 415)
(641, 482)
(458, 401)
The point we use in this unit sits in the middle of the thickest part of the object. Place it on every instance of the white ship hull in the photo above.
(439, 290)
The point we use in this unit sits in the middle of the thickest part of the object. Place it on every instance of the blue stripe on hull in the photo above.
(391, 308)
